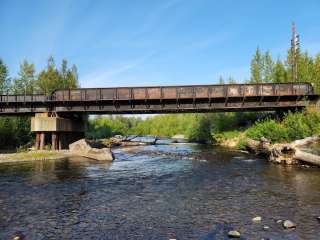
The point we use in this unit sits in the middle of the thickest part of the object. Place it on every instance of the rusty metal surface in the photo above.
(196, 98)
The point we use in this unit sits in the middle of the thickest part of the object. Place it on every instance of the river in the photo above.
(180, 191)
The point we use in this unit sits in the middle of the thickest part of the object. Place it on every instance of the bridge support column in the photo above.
(58, 131)
(37, 143)
(42, 140)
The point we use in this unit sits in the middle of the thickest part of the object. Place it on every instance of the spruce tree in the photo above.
(268, 68)
(4, 78)
(279, 73)
(25, 81)
(256, 67)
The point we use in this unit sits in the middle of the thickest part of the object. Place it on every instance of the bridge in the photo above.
(62, 114)
(165, 99)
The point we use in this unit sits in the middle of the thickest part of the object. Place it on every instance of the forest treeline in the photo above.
(15, 131)
(215, 127)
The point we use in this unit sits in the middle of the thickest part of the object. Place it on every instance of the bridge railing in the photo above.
(166, 93)
(183, 92)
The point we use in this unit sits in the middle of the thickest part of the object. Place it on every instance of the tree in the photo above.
(279, 73)
(51, 78)
(25, 81)
(221, 80)
(317, 73)
(231, 80)
(199, 130)
(268, 68)
(305, 71)
(4, 77)
(256, 67)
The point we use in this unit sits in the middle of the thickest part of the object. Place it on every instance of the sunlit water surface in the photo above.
(158, 192)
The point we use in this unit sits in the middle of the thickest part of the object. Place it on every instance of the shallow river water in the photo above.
(158, 192)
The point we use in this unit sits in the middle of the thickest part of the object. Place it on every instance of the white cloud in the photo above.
(111, 76)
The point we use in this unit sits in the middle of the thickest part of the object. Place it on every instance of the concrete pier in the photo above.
(57, 131)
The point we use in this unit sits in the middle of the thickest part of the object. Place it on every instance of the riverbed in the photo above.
(179, 191)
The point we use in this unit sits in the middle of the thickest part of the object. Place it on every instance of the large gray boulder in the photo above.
(87, 149)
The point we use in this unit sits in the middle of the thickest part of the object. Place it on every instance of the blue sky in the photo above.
(152, 42)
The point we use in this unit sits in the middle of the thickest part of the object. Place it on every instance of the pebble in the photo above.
(279, 221)
(289, 224)
(256, 219)
(17, 238)
(266, 228)
(318, 218)
(234, 234)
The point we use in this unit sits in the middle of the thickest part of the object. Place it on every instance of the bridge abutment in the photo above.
(57, 131)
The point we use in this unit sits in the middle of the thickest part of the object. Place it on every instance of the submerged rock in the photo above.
(318, 218)
(256, 219)
(287, 224)
(266, 228)
(88, 149)
(17, 238)
(234, 234)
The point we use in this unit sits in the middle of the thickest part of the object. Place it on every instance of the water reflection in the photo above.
(158, 192)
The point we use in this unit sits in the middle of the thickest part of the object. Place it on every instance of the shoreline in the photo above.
(44, 155)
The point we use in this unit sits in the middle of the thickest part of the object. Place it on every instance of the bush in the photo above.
(301, 125)
(269, 129)
(223, 136)
(294, 126)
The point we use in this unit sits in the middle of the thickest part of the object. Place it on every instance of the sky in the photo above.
(153, 42)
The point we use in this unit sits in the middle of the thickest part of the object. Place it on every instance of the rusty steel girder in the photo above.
(165, 99)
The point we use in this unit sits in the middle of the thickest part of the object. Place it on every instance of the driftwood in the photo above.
(288, 153)
(127, 141)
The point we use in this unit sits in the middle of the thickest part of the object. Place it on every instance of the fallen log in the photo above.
(307, 157)
(285, 153)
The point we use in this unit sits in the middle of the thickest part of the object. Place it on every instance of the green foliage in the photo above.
(301, 125)
(199, 131)
(294, 126)
(269, 129)
(52, 78)
(105, 127)
(256, 67)
(4, 77)
(279, 73)
(15, 131)
(223, 136)
(25, 81)
(165, 125)
(242, 144)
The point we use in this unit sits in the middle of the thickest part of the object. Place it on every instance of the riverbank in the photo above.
(34, 156)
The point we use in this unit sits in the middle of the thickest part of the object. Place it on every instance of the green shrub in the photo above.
(302, 124)
(242, 144)
(223, 136)
(269, 129)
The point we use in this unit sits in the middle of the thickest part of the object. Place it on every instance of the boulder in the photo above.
(85, 148)
(289, 224)
(234, 234)
(257, 219)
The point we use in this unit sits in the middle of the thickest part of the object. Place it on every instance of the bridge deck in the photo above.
(165, 99)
